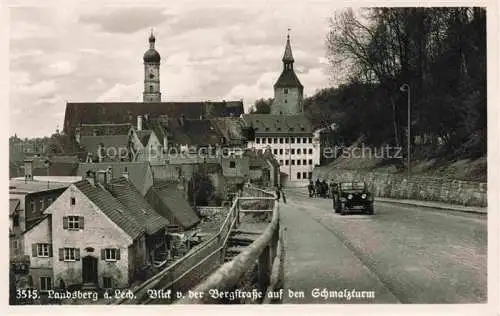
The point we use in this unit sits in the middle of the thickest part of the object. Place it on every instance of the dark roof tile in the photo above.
(137, 207)
(112, 208)
(127, 112)
(170, 203)
(137, 172)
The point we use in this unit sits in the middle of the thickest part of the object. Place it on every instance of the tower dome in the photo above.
(151, 55)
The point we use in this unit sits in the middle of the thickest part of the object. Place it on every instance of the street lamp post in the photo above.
(406, 88)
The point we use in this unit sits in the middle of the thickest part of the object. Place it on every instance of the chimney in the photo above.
(77, 135)
(104, 176)
(91, 177)
(100, 152)
(139, 122)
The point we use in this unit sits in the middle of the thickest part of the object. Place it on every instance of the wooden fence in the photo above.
(223, 286)
(198, 263)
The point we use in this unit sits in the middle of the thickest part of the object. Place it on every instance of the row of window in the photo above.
(299, 151)
(46, 283)
(43, 250)
(304, 175)
(304, 162)
(283, 140)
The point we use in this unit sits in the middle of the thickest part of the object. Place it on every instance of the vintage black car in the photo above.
(350, 195)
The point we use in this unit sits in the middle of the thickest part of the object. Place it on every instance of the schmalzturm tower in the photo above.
(152, 73)
(288, 91)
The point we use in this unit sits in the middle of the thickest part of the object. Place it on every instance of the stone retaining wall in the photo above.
(417, 188)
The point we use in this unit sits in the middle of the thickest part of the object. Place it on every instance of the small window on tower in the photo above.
(286, 101)
(286, 91)
(150, 88)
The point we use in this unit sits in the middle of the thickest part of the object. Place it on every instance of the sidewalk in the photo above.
(429, 204)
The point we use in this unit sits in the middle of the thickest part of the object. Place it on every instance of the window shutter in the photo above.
(77, 254)
(118, 254)
(34, 250)
(65, 222)
(51, 254)
(103, 254)
(61, 254)
(81, 222)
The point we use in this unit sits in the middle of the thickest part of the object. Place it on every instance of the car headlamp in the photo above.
(363, 196)
(349, 196)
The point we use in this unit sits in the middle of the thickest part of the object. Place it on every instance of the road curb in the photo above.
(436, 206)
(449, 207)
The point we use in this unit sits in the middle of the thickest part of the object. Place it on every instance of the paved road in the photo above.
(404, 254)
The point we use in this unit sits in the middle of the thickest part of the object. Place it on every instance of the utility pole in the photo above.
(406, 88)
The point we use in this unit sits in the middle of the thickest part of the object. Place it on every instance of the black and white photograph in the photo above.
(250, 153)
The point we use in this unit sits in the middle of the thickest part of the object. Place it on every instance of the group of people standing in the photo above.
(319, 188)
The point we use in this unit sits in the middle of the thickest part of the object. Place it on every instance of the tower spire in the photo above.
(287, 56)
(152, 40)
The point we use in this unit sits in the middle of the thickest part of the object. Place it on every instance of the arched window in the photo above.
(150, 88)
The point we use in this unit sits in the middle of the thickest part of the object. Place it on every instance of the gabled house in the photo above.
(146, 146)
(99, 233)
(168, 200)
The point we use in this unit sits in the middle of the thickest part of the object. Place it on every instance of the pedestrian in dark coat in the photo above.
(283, 194)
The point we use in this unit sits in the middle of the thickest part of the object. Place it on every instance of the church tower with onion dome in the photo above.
(152, 73)
(288, 91)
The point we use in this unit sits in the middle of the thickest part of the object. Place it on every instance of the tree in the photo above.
(262, 106)
(439, 52)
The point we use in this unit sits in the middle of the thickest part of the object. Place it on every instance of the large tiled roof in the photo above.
(170, 203)
(137, 171)
(112, 208)
(127, 112)
(288, 79)
(230, 128)
(137, 207)
(104, 129)
(91, 143)
(279, 125)
(193, 132)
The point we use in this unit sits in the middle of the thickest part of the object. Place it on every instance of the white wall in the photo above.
(284, 152)
(99, 232)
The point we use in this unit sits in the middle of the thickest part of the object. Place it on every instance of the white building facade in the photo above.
(292, 143)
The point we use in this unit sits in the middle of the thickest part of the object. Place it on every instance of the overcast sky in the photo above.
(209, 51)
